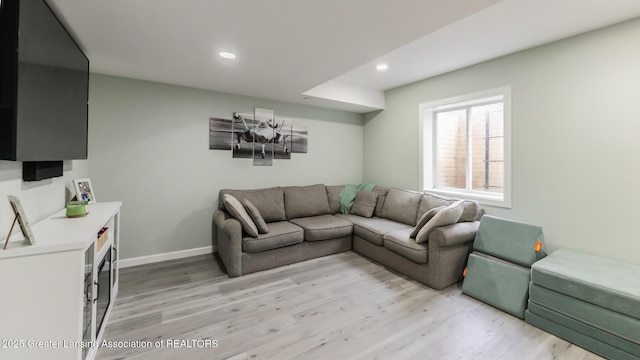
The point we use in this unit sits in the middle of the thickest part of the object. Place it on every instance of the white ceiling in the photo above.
(322, 50)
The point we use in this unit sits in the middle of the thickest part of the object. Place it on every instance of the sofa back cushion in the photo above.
(365, 203)
(269, 202)
(305, 201)
(471, 211)
(431, 200)
(402, 206)
(382, 195)
(333, 195)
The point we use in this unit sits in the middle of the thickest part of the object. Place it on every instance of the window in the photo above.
(466, 147)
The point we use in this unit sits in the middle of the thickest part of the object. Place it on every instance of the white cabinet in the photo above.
(55, 294)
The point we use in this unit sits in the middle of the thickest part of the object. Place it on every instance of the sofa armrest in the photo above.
(454, 234)
(229, 236)
(449, 248)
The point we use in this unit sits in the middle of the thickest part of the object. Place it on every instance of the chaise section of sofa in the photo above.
(305, 222)
(438, 262)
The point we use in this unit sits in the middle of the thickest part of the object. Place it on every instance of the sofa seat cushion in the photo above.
(324, 227)
(401, 243)
(373, 229)
(282, 233)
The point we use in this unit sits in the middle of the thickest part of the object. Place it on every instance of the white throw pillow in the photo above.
(424, 219)
(235, 208)
(447, 216)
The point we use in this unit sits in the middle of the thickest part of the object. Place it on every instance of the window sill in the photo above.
(483, 199)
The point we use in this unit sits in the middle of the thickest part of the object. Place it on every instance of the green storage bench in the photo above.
(588, 300)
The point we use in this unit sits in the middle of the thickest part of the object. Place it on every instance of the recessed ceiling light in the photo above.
(227, 55)
(382, 67)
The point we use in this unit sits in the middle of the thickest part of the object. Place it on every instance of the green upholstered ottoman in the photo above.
(579, 338)
(608, 283)
(497, 283)
(589, 300)
(498, 269)
(509, 240)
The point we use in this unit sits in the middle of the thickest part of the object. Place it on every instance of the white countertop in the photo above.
(60, 233)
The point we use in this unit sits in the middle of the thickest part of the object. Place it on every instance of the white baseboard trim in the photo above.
(150, 259)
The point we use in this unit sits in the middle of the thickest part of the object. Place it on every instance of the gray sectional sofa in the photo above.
(305, 222)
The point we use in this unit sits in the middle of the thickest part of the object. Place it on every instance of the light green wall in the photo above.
(38, 198)
(576, 137)
(149, 147)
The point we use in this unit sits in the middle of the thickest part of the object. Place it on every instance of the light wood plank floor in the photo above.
(336, 307)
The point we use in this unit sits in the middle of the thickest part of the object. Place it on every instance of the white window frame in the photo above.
(427, 155)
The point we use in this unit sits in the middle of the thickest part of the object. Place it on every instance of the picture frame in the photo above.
(21, 218)
(84, 190)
